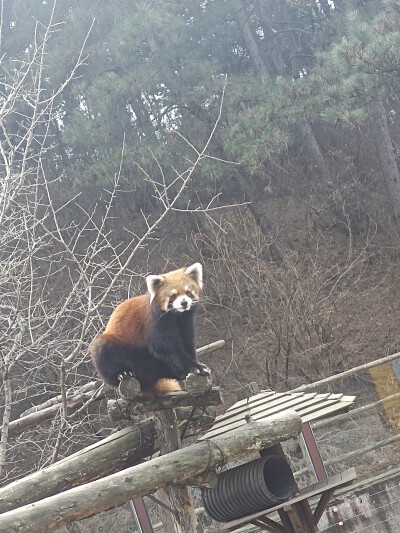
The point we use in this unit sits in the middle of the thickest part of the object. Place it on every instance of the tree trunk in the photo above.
(6, 421)
(302, 126)
(251, 43)
(310, 141)
(54, 512)
(381, 135)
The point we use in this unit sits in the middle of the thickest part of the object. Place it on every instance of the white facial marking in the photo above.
(182, 303)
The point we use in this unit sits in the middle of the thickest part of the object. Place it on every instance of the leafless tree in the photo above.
(60, 261)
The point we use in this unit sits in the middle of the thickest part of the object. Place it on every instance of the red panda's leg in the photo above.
(111, 359)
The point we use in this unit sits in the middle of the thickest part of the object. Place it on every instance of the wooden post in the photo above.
(80, 502)
(178, 513)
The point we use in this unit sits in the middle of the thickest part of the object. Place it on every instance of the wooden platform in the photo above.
(296, 515)
(310, 406)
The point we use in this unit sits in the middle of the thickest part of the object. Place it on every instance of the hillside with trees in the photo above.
(260, 138)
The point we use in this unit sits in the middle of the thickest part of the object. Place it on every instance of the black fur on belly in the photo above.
(112, 359)
(172, 341)
(171, 352)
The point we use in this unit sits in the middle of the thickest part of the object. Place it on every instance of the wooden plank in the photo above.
(272, 399)
(257, 397)
(325, 412)
(257, 414)
(329, 484)
(280, 404)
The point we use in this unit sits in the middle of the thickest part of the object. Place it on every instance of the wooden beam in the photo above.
(271, 525)
(351, 455)
(80, 502)
(171, 400)
(177, 514)
(322, 504)
(43, 415)
(88, 387)
(119, 450)
(349, 372)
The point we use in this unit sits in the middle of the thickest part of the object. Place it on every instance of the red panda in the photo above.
(152, 336)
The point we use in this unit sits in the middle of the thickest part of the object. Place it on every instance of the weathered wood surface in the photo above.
(201, 418)
(116, 489)
(167, 401)
(120, 450)
(183, 518)
(310, 406)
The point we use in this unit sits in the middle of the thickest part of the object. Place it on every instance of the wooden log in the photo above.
(80, 502)
(351, 455)
(171, 400)
(177, 514)
(197, 384)
(345, 373)
(201, 418)
(120, 450)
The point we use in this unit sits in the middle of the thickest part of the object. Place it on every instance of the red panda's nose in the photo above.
(184, 304)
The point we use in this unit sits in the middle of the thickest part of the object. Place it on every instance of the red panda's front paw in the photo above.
(203, 369)
(123, 375)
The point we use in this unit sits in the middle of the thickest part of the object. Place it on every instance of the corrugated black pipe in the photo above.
(250, 488)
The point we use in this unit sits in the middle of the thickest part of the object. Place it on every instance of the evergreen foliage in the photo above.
(153, 69)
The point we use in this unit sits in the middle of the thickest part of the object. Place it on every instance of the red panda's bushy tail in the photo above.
(162, 386)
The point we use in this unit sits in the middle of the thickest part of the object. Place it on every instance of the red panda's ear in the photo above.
(195, 271)
(153, 283)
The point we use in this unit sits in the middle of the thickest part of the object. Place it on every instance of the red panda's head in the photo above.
(177, 290)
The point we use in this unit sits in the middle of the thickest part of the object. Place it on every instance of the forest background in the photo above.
(260, 138)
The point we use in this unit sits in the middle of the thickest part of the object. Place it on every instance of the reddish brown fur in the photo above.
(162, 387)
(130, 321)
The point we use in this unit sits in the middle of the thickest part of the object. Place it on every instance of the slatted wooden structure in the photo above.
(310, 406)
(295, 515)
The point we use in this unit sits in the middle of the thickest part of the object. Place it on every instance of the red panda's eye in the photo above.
(189, 293)
(172, 297)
